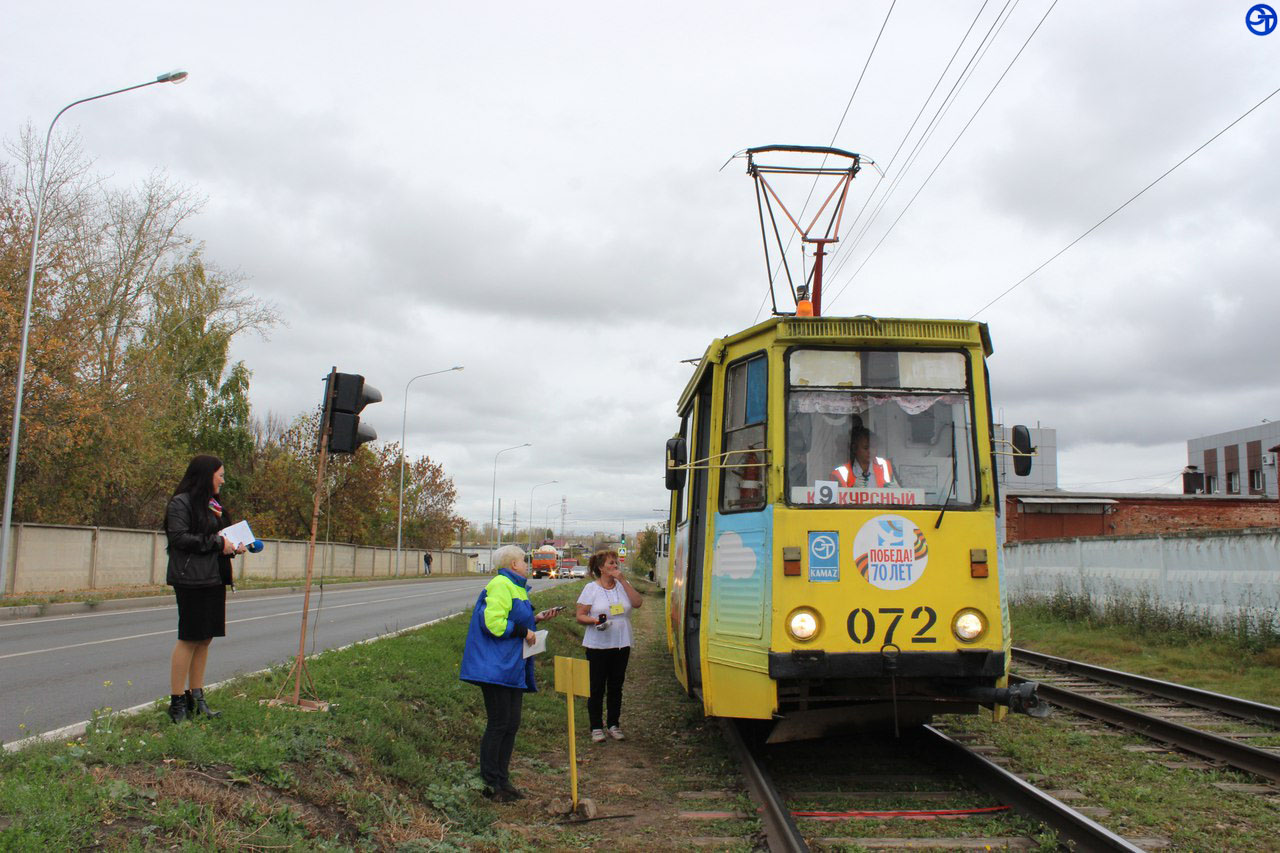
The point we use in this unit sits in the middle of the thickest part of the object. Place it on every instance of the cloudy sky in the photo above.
(534, 191)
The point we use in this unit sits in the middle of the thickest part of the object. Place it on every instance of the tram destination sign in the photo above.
(825, 494)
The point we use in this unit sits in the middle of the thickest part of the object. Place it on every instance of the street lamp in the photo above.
(493, 499)
(168, 77)
(403, 421)
(540, 485)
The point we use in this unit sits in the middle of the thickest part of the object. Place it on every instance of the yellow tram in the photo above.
(833, 554)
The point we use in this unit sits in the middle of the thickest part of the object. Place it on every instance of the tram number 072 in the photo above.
(862, 624)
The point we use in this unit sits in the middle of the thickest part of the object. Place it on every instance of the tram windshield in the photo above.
(879, 427)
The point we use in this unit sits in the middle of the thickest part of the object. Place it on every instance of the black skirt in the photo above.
(202, 612)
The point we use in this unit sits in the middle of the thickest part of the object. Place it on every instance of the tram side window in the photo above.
(745, 465)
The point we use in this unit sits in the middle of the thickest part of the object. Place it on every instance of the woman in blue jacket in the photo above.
(493, 659)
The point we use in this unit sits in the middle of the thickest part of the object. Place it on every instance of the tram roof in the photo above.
(860, 330)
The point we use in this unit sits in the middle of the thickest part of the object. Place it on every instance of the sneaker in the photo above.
(597, 735)
(616, 733)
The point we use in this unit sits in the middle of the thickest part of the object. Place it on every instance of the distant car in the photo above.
(578, 572)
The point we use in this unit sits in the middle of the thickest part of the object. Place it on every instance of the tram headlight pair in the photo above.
(969, 625)
(803, 624)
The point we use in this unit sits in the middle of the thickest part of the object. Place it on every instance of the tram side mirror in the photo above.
(677, 458)
(1022, 450)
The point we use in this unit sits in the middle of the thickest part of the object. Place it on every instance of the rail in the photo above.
(1207, 699)
(781, 832)
(1026, 798)
(1205, 744)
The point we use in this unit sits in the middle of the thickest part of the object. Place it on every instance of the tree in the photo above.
(127, 372)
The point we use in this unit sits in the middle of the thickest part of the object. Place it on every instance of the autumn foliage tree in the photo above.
(129, 372)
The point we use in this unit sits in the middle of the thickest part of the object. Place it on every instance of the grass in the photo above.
(1212, 662)
(1252, 630)
(1145, 798)
(392, 766)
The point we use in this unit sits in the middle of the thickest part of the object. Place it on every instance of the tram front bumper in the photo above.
(817, 664)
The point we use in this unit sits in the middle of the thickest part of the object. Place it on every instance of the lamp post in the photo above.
(540, 485)
(169, 77)
(493, 499)
(404, 418)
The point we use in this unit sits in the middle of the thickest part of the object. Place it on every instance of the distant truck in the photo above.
(544, 560)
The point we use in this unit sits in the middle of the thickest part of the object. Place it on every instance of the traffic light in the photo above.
(347, 395)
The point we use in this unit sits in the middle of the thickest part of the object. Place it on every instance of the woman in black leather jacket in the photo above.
(199, 572)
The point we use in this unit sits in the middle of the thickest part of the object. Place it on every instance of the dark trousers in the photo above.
(502, 706)
(608, 669)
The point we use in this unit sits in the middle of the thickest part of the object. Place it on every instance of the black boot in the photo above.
(178, 707)
(198, 705)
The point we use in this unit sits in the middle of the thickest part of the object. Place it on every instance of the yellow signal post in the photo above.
(573, 678)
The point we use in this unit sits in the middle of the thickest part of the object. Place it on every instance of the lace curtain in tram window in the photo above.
(844, 403)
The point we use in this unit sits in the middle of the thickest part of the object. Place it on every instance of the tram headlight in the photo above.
(803, 624)
(969, 625)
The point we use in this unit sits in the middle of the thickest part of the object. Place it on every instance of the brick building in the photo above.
(1055, 514)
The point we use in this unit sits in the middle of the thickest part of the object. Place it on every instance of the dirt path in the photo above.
(670, 750)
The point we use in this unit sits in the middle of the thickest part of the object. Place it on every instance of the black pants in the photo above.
(502, 706)
(608, 669)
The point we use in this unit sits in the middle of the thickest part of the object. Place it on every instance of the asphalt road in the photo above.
(56, 670)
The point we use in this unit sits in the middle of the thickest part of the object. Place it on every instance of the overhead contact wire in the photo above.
(1132, 198)
(949, 101)
(907, 135)
(950, 148)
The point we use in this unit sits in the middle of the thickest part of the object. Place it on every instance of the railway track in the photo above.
(989, 792)
(1210, 726)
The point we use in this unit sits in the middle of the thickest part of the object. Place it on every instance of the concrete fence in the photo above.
(49, 558)
(1222, 573)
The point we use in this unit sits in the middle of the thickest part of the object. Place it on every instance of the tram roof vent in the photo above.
(941, 331)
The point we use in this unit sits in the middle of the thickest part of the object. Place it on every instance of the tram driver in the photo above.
(864, 471)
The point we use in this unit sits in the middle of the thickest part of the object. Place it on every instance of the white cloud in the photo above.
(535, 194)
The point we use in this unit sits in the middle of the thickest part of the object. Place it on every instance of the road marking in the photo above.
(229, 622)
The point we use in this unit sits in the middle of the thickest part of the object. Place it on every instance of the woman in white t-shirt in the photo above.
(605, 606)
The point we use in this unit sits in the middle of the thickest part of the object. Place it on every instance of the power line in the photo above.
(947, 153)
(846, 253)
(1121, 480)
(1132, 198)
(832, 143)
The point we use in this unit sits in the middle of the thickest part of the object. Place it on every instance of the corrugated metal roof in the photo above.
(1023, 500)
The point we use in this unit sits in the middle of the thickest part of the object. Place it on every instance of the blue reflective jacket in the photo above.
(494, 651)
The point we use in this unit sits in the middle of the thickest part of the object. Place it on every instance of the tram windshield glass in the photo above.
(879, 427)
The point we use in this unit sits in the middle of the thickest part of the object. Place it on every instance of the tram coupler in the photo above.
(1020, 698)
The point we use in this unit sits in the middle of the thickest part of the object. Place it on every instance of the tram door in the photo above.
(699, 454)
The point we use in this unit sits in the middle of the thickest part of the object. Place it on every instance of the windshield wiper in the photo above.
(955, 468)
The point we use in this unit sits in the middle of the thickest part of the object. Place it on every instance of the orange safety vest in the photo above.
(880, 467)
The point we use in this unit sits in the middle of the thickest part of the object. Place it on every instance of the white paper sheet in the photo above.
(539, 645)
(238, 533)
